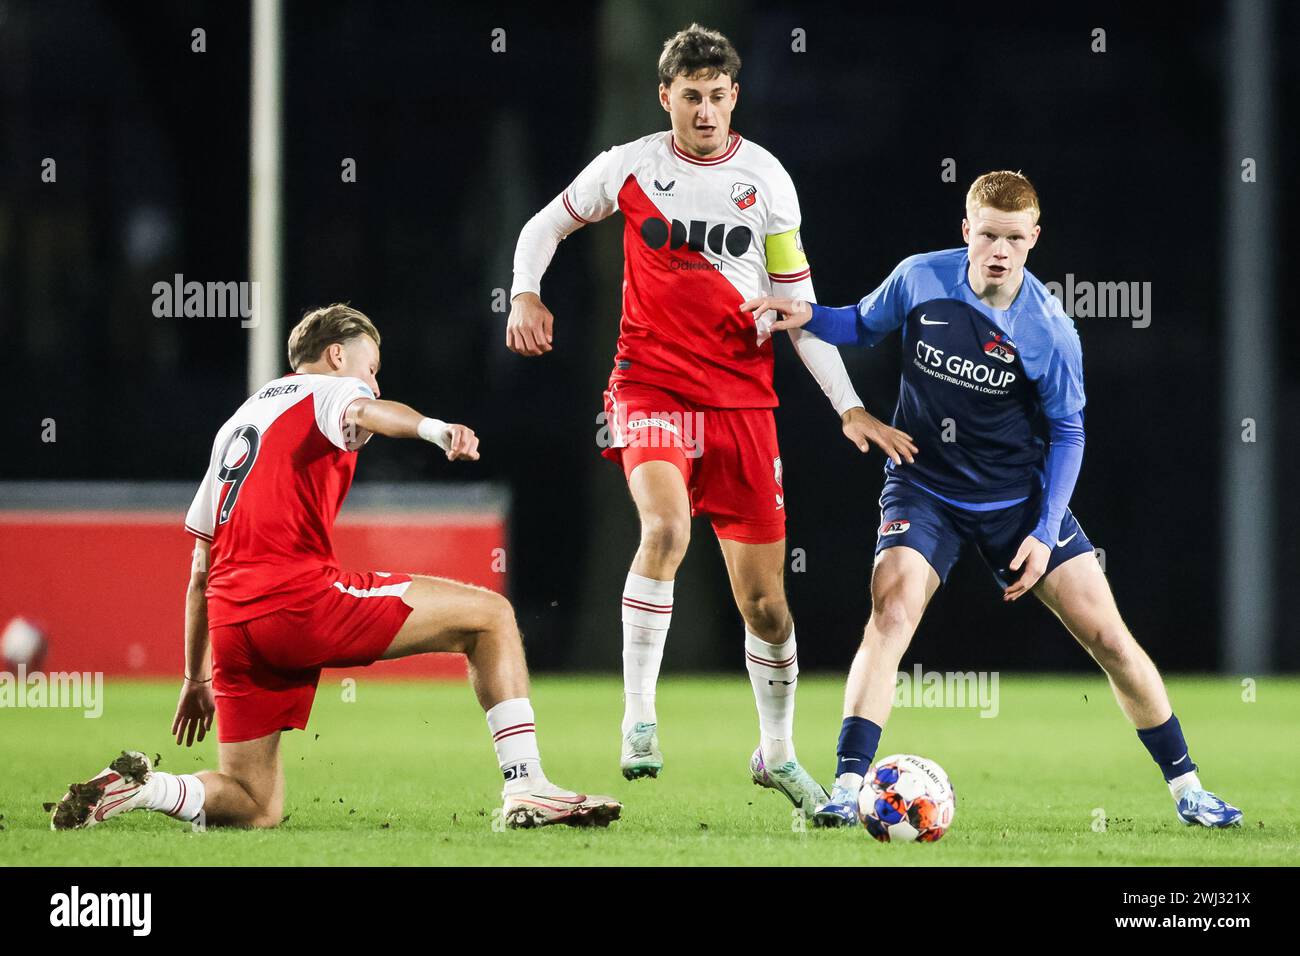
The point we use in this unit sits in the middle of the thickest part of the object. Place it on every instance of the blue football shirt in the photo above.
(978, 384)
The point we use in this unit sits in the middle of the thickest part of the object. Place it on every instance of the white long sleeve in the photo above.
(821, 359)
(538, 241)
(591, 197)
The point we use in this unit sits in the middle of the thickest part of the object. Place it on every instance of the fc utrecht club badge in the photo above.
(743, 195)
(776, 469)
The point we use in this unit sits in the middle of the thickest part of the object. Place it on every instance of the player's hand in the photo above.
(864, 430)
(1033, 554)
(528, 330)
(791, 313)
(462, 443)
(194, 712)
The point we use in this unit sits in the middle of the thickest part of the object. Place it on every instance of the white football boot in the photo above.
(641, 756)
(549, 804)
(118, 788)
(790, 779)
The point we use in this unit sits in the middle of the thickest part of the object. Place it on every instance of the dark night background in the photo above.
(457, 146)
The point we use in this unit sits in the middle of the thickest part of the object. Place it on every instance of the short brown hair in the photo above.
(1005, 191)
(698, 53)
(321, 328)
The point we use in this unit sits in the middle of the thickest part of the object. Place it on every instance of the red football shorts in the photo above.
(727, 456)
(264, 671)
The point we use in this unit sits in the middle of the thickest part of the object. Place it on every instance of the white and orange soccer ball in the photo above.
(905, 799)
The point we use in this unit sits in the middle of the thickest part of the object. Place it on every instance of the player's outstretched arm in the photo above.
(402, 421)
(791, 313)
(196, 707)
(859, 426)
(836, 326)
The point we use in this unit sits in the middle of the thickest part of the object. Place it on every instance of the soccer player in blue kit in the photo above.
(991, 400)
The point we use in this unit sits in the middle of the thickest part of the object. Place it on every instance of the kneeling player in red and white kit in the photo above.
(276, 607)
(710, 220)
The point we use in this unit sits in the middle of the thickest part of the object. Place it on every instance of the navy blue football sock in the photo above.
(859, 739)
(1168, 748)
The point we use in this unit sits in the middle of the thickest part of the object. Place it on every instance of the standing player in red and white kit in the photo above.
(710, 218)
(278, 608)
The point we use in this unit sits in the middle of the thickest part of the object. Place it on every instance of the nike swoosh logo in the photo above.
(850, 759)
(573, 801)
(925, 321)
(103, 810)
(1062, 544)
(1180, 760)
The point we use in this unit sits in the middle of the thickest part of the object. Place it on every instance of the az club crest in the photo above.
(897, 526)
(1001, 348)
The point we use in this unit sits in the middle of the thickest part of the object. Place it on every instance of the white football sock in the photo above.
(773, 672)
(514, 736)
(638, 709)
(851, 782)
(177, 795)
(647, 612)
(1181, 784)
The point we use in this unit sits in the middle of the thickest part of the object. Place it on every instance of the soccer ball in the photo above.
(22, 644)
(905, 799)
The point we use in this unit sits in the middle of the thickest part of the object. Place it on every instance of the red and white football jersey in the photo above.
(280, 469)
(700, 237)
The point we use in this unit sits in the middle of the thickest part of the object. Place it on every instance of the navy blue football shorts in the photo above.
(912, 517)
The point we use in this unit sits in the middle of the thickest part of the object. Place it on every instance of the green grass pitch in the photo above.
(405, 775)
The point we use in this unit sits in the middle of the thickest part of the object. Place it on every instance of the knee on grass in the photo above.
(251, 817)
(265, 820)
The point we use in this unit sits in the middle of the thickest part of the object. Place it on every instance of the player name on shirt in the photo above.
(279, 471)
(272, 391)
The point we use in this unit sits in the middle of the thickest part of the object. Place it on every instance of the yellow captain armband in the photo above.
(785, 259)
